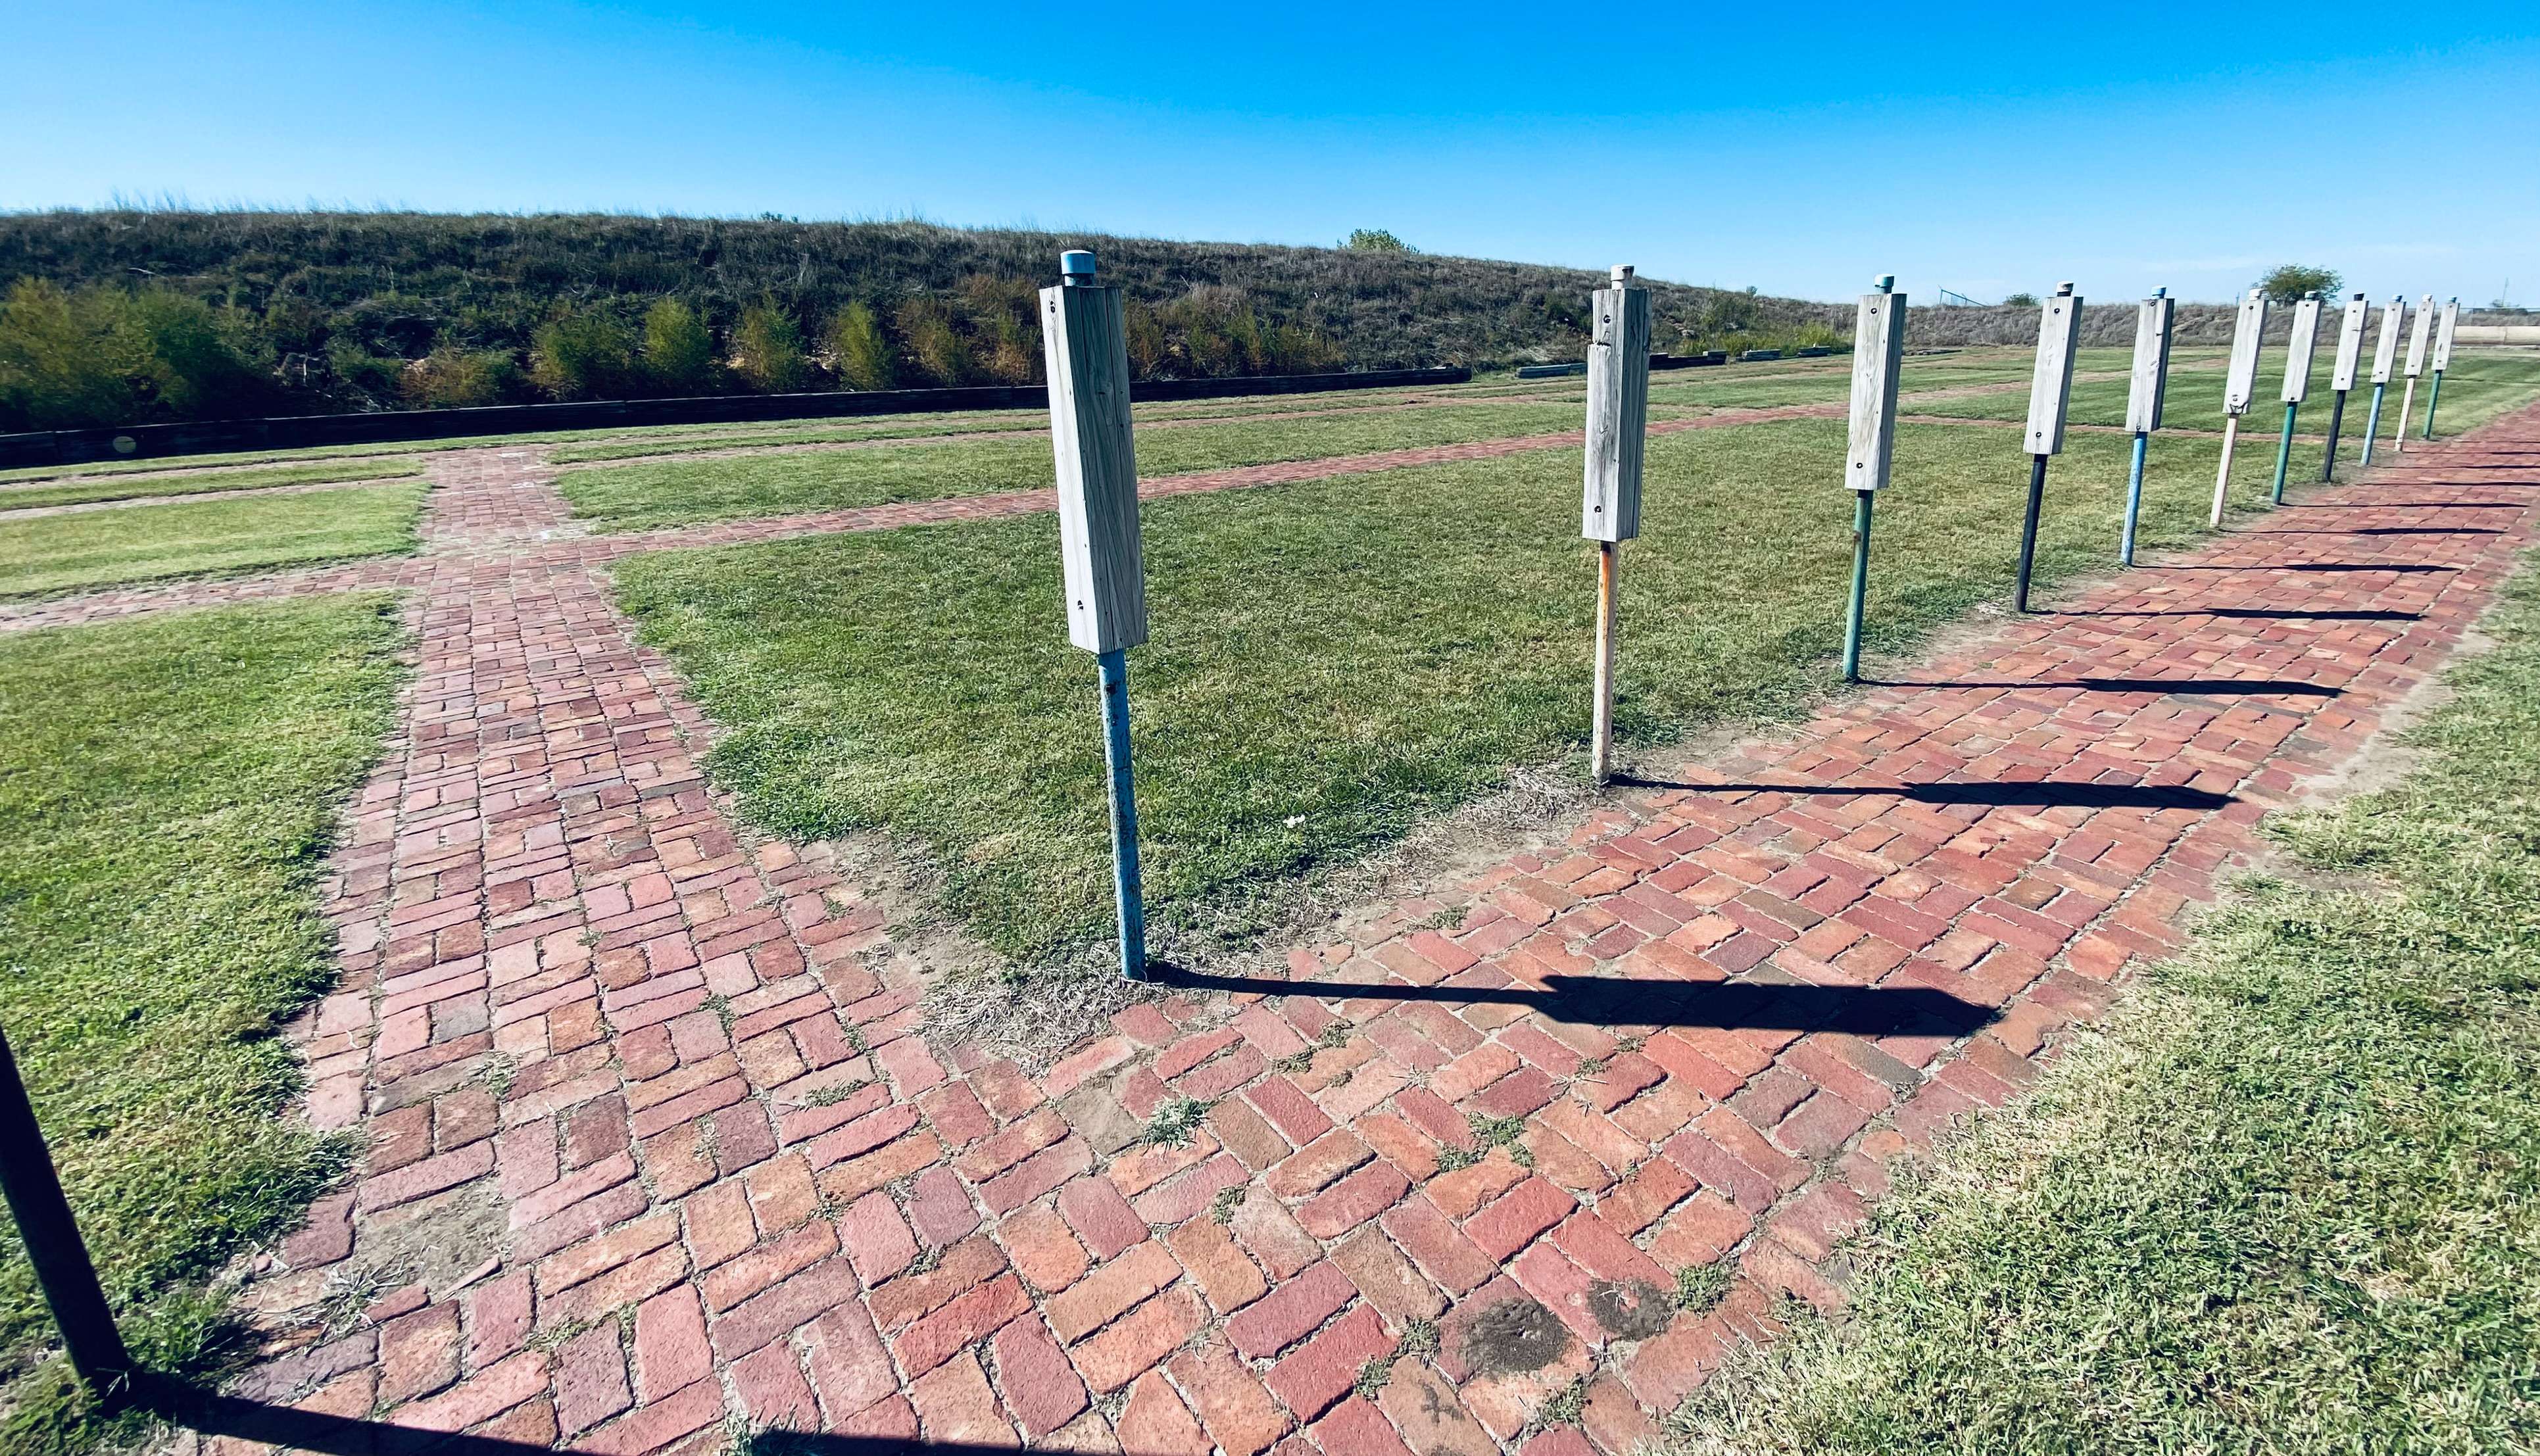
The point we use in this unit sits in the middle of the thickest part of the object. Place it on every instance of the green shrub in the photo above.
(858, 352)
(941, 355)
(1376, 239)
(454, 379)
(2287, 283)
(587, 355)
(678, 351)
(767, 350)
(106, 356)
(59, 370)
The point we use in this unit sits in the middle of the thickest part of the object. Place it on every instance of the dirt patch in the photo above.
(1636, 1310)
(1513, 1336)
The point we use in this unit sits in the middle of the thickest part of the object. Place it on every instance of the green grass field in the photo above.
(82, 490)
(642, 496)
(2288, 1201)
(167, 789)
(58, 553)
(1332, 661)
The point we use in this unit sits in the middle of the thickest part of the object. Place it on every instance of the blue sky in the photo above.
(1801, 150)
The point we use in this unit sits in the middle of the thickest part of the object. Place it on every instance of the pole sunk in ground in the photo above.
(1618, 416)
(2151, 384)
(1086, 349)
(2299, 347)
(2239, 387)
(2050, 392)
(1877, 359)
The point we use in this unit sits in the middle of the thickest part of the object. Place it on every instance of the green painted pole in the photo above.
(1860, 583)
(2430, 403)
(1128, 891)
(2284, 451)
(2134, 499)
(2373, 424)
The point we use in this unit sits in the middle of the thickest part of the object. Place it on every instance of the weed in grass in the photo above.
(1174, 1122)
(1566, 1407)
(1699, 1287)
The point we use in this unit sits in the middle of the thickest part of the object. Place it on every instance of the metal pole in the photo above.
(1600, 751)
(2407, 406)
(1128, 891)
(2223, 474)
(2028, 529)
(2134, 499)
(1860, 583)
(2433, 397)
(53, 1245)
(2284, 452)
(2373, 423)
(2336, 420)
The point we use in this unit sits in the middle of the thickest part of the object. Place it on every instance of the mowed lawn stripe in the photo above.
(1332, 661)
(168, 790)
(59, 553)
(85, 489)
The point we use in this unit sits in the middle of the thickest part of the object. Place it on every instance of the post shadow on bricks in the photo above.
(2027, 793)
(1621, 1001)
(2271, 614)
(2204, 685)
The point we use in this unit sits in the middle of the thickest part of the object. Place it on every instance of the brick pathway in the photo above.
(656, 1158)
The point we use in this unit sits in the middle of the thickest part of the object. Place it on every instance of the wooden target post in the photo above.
(1877, 360)
(2239, 385)
(2050, 396)
(2442, 359)
(2385, 358)
(2153, 323)
(2417, 337)
(2299, 349)
(2341, 376)
(1087, 353)
(1618, 420)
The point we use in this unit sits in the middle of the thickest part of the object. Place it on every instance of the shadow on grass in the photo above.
(1613, 1001)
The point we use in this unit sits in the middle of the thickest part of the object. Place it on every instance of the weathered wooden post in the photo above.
(1088, 356)
(2050, 391)
(2385, 354)
(54, 1249)
(2442, 359)
(2298, 348)
(2239, 385)
(2153, 322)
(1877, 359)
(1618, 420)
(2341, 378)
(2417, 338)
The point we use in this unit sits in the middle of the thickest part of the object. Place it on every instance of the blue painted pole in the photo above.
(1859, 585)
(2373, 424)
(1128, 891)
(2134, 499)
(2284, 451)
(2430, 403)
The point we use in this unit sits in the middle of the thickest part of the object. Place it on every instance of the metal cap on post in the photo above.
(2050, 389)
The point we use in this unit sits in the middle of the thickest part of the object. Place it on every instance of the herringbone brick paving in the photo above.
(656, 1154)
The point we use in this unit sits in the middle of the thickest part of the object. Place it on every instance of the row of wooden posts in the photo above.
(1098, 475)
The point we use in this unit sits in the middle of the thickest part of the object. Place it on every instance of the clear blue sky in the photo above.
(1801, 150)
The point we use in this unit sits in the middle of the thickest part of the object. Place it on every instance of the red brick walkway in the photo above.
(658, 1159)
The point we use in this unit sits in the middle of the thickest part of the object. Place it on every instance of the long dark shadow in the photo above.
(2206, 685)
(2401, 506)
(2386, 531)
(1862, 1010)
(2305, 566)
(343, 1436)
(2043, 794)
(2290, 614)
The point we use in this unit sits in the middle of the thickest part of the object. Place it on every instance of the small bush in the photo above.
(61, 365)
(941, 355)
(858, 352)
(678, 350)
(453, 379)
(767, 350)
(2288, 282)
(1376, 239)
(586, 356)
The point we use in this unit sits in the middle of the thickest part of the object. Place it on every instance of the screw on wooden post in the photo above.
(2385, 357)
(2144, 395)
(1086, 350)
(2341, 376)
(2299, 346)
(2050, 394)
(2442, 359)
(2417, 338)
(2239, 385)
(1618, 416)
(54, 1249)
(1877, 359)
